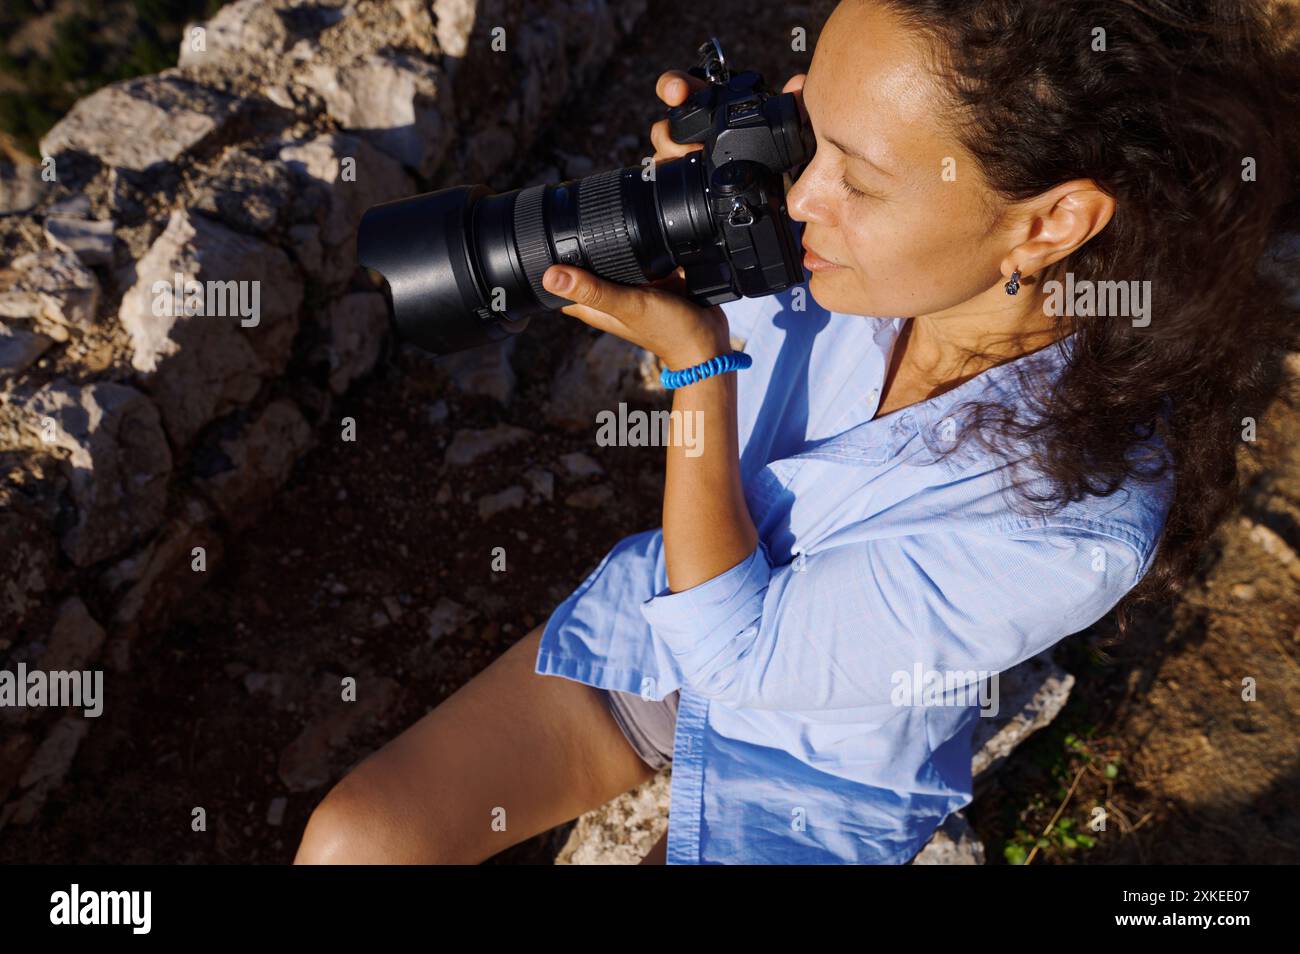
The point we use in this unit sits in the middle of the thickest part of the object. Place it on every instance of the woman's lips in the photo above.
(815, 263)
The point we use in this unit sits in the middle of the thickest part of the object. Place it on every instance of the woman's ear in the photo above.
(1056, 223)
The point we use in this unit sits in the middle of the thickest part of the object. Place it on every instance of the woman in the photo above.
(887, 504)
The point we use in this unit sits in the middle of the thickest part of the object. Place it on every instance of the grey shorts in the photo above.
(648, 725)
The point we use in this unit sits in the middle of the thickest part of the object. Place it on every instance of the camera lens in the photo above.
(464, 266)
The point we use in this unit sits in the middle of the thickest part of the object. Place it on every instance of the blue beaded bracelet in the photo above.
(718, 364)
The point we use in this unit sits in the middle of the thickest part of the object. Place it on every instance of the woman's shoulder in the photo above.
(1131, 514)
(1131, 511)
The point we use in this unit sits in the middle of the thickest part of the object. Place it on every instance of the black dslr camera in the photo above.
(464, 267)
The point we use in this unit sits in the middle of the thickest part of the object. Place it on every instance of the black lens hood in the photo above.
(421, 246)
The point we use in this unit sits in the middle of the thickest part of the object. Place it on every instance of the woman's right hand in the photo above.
(674, 86)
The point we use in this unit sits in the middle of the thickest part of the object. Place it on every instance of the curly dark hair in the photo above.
(1163, 119)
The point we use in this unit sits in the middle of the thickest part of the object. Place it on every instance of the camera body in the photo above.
(463, 266)
(755, 145)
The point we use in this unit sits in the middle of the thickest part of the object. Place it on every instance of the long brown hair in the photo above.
(1169, 110)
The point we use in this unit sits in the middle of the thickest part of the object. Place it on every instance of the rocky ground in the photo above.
(375, 562)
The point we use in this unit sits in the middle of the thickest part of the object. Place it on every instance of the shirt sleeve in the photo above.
(838, 628)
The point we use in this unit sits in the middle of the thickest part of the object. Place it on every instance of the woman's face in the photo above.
(919, 238)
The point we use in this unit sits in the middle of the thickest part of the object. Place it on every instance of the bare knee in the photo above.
(356, 824)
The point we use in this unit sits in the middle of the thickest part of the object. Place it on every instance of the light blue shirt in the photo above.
(881, 567)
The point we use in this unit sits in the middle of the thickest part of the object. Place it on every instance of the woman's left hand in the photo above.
(657, 317)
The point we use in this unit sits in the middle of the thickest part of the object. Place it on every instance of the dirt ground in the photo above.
(1198, 773)
(339, 577)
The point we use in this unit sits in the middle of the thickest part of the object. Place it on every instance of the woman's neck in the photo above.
(957, 344)
(936, 353)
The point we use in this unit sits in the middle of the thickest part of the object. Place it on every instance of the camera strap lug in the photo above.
(741, 214)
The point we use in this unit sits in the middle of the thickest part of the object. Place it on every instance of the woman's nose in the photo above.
(805, 201)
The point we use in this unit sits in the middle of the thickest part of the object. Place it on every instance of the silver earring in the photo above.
(1013, 286)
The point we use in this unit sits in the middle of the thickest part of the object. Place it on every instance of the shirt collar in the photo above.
(1000, 382)
(935, 419)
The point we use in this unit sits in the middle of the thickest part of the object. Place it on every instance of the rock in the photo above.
(137, 123)
(118, 466)
(75, 640)
(305, 245)
(358, 326)
(1273, 544)
(1030, 696)
(578, 464)
(341, 177)
(246, 192)
(318, 752)
(624, 829)
(590, 498)
(541, 481)
(53, 290)
(258, 461)
(600, 371)
(16, 750)
(438, 412)
(46, 769)
(88, 239)
(492, 504)
(484, 370)
(74, 206)
(469, 445)
(19, 349)
(21, 186)
(162, 575)
(199, 366)
(247, 31)
(447, 617)
(953, 843)
(29, 564)
(454, 20)
(275, 814)
(389, 98)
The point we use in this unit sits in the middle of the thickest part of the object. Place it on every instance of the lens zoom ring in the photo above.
(534, 249)
(603, 229)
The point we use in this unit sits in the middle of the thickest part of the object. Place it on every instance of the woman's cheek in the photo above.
(881, 271)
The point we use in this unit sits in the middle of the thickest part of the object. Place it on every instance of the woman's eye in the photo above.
(853, 193)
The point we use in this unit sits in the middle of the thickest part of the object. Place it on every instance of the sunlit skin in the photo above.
(917, 244)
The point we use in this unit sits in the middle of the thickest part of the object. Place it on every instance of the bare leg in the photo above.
(658, 855)
(509, 755)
